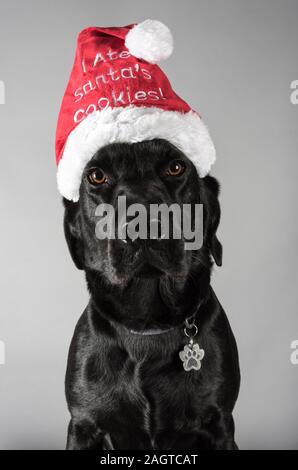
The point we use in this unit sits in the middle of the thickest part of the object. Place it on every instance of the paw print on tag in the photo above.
(191, 356)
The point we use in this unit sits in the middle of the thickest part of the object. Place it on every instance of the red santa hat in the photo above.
(117, 93)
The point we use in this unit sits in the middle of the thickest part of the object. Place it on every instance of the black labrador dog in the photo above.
(126, 386)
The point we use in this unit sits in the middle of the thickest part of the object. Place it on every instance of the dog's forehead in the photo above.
(139, 156)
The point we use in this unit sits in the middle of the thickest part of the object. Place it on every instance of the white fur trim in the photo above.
(132, 124)
(150, 40)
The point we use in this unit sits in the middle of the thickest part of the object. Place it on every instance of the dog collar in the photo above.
(192, 354)
(188, 323)
(153, 331)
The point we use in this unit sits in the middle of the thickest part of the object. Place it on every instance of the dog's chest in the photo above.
(154, 399)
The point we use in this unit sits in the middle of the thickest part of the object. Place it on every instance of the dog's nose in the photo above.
(156, 230)
(153, 230)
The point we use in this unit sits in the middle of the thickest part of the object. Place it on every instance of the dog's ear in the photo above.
(210, 192)
(72, 231)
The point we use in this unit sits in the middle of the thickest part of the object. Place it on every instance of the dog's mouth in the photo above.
(147, 270)
(147, 261)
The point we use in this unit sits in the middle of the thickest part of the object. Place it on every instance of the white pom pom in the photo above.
(150, 40)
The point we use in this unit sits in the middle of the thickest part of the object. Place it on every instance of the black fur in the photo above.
(130, 391)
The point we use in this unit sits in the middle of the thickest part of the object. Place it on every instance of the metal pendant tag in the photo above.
(192, 354)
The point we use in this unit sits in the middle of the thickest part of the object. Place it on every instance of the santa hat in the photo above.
(117, 93)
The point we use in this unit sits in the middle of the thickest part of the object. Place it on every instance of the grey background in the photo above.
(234, 62)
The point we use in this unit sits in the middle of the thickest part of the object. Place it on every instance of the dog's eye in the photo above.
(176, 168)
(96, 176)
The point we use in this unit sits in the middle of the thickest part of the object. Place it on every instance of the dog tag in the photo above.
(191, 356)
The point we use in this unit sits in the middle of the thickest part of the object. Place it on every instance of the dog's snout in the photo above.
(137, 224)
(156, 229)
(130, 232)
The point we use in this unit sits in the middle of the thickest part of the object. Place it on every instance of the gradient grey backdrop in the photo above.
(234, 62)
